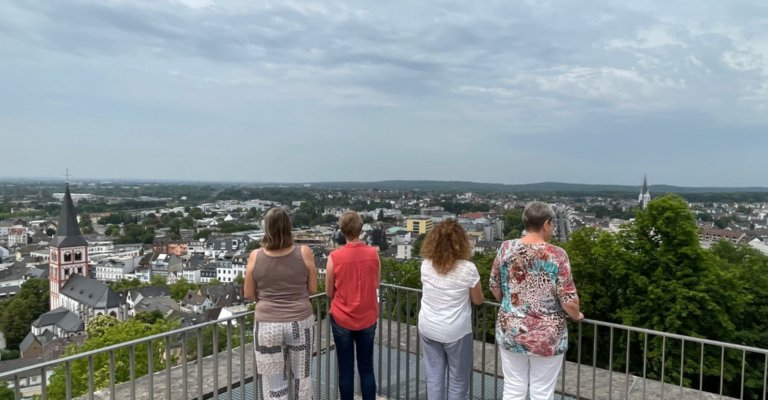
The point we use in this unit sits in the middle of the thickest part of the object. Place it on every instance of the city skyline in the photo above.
(297, 92)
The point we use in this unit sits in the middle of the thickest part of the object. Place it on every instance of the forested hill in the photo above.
(529, 187)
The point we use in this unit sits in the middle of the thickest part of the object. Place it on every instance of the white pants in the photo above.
(525, 374)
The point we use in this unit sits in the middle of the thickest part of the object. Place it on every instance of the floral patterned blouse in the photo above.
(535, 279)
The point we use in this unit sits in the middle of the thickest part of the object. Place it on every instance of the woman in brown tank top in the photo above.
(280, 277)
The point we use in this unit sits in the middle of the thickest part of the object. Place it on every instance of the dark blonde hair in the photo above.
(277, 229)
(351, 225)
(446, 244)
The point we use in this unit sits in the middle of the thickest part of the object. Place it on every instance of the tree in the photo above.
(112, 230)
(17, 314)
(109, 332)
(86, 225)
(100, 324)
(654, 274)
(253, 213)
(181, 288)
(134, 233)
(406, 273)
(150, 317)
(600, 265)
(513, 223)
(380, 217)
(670, 274)
(239, 279)
(203, 234)
(416, 247)
(722, 222)
(379, 238)
(6, 355)
(6, 393)
(125, 284)
(158, 280)
(196, 213)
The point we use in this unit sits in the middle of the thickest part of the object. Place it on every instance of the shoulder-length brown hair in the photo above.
(277, 229)
(446, 244)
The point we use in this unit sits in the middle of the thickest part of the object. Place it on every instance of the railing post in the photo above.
(151, 370)
(408, 348)
(610, 366)
(168, 365)
(200, 363)
(91, 387)
(242, 361)
(215, 369)
(578, 362)
(397, 354)
(132, 370)
(229, 359)
(184, 368)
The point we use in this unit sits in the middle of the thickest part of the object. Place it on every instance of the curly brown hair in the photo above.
(446, 244)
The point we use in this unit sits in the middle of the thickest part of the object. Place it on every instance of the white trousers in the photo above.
(532, 375)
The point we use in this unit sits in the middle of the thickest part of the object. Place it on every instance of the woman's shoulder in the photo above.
(508, 245)
(556, 251)
(468, 267)
(371, 250)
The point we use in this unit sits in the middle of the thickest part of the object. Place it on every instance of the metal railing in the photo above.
(215, 360)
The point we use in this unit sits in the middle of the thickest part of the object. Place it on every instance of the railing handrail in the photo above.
(629, 328)
(51, 363)
(133, 342)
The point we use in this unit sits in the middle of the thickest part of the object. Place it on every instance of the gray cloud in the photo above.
(396, 78)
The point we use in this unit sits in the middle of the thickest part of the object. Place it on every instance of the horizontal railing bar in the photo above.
(143, 340)
(727, 345)
(53, 363)
(632, 328)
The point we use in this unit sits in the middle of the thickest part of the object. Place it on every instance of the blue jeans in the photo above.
(346, 342)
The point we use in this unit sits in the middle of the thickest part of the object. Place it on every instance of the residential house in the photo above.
(30, 383)
(113, 270)
(195, 303)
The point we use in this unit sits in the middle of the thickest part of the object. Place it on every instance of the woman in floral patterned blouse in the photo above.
(532, 279)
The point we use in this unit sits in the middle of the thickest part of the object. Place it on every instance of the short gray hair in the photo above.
(535, 214)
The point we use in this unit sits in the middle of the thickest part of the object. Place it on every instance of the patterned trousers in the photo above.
(284, 358)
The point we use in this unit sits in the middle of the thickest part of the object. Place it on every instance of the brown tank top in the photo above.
(281, 287)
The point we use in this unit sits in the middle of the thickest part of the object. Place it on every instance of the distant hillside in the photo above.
(464, 186)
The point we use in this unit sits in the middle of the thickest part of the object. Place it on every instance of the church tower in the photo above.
(69, 250)
(645, 196)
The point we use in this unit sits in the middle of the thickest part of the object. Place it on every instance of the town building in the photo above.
(419, 225)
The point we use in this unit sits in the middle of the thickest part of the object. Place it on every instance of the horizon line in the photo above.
(74, 179)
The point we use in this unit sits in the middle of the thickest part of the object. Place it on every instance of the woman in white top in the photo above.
(449, 283)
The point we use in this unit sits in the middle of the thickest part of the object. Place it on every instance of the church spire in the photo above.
(68, 232)
(645, 196)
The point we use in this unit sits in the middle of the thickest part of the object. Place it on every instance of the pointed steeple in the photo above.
(644, 197)
(68, 232)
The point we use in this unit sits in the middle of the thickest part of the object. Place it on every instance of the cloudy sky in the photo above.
(588, 91)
